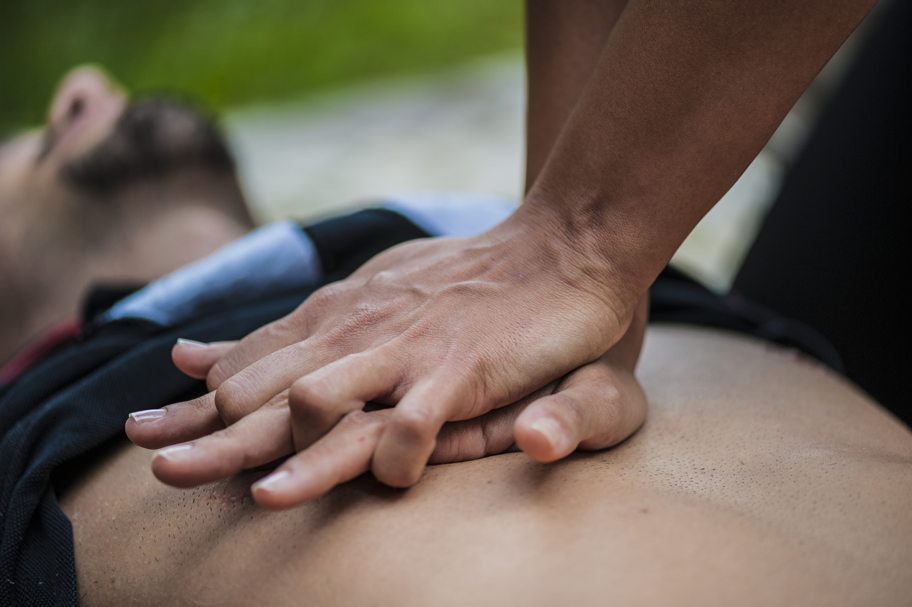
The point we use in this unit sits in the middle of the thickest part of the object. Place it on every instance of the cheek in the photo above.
(19, 169)
(11, 217)
(32, 221)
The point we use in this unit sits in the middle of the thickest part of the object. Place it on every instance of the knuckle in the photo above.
(220, 372)
(203, 404)
(240, 356)
(491, 441)
(598, 384)
(276, 331)
(383, 277)
(231, 400)
(227, 447)
(307, 399)
(366, 316)
(609, 394)
(414, 423)
(569, 411)
(278, 401)
(224, 369)
(326, 297)
(299, 323)
(359, 420)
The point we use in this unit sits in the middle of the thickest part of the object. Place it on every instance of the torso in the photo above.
(758, 479)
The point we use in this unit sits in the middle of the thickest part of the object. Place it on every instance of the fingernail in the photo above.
(149, 415)
(272, 482)
(171, 453)
(550, 429)
(192, 343)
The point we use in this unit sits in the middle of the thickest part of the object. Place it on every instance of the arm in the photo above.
(684, 96)
(564, 41)
(680, 101)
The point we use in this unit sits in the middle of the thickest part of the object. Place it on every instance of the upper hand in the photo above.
(445, 329)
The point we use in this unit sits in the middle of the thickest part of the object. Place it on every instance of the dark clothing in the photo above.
(74, 402)
(677, 298)
(835, 250)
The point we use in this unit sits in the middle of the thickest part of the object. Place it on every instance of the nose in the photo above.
(84, 91)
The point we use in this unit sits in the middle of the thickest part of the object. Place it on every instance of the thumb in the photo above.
(195, 358)
(595, 407)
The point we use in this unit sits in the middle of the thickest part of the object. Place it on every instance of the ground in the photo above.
(462, 130)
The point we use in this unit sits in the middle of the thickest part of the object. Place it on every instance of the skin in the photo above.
(564, 41)
(563, 46)
(681, 98)
(56, 241)
(716, 398)
(759, 479)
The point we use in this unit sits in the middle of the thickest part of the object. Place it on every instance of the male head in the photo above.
(110, 191)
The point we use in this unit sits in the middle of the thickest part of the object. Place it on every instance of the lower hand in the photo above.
(593, 407)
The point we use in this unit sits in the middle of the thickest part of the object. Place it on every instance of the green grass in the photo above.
(231, 52)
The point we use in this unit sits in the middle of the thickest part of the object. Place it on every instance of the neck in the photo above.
(143, 248)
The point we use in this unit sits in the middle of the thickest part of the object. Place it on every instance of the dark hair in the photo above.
(153, 138)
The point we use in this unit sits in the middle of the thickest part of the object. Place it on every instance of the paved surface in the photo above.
(461, 131)
(458, 131)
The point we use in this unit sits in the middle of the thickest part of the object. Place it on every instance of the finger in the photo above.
(255, 346)
(250, 388)
(196, 358)
(340, 456)
(626, 351)
(319, 400)
(177, 423)
(410, 437)
(485, 435)
(291, 329)
(478, 437)
(595, 407)
(256, 440)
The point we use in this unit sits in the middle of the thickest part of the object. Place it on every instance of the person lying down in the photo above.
(760, 475)
(759, 478)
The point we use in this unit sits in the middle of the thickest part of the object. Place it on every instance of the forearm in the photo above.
(683, 98)
(564, 40)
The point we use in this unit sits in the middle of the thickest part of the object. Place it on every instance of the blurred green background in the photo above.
(232, 52)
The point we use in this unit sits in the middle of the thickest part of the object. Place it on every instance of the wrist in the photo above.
(599, 236)
(575, 252)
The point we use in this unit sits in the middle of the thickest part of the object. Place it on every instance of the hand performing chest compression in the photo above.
(301, 384)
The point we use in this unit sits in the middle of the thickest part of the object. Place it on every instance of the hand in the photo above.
(446, 329)
(594, 407)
